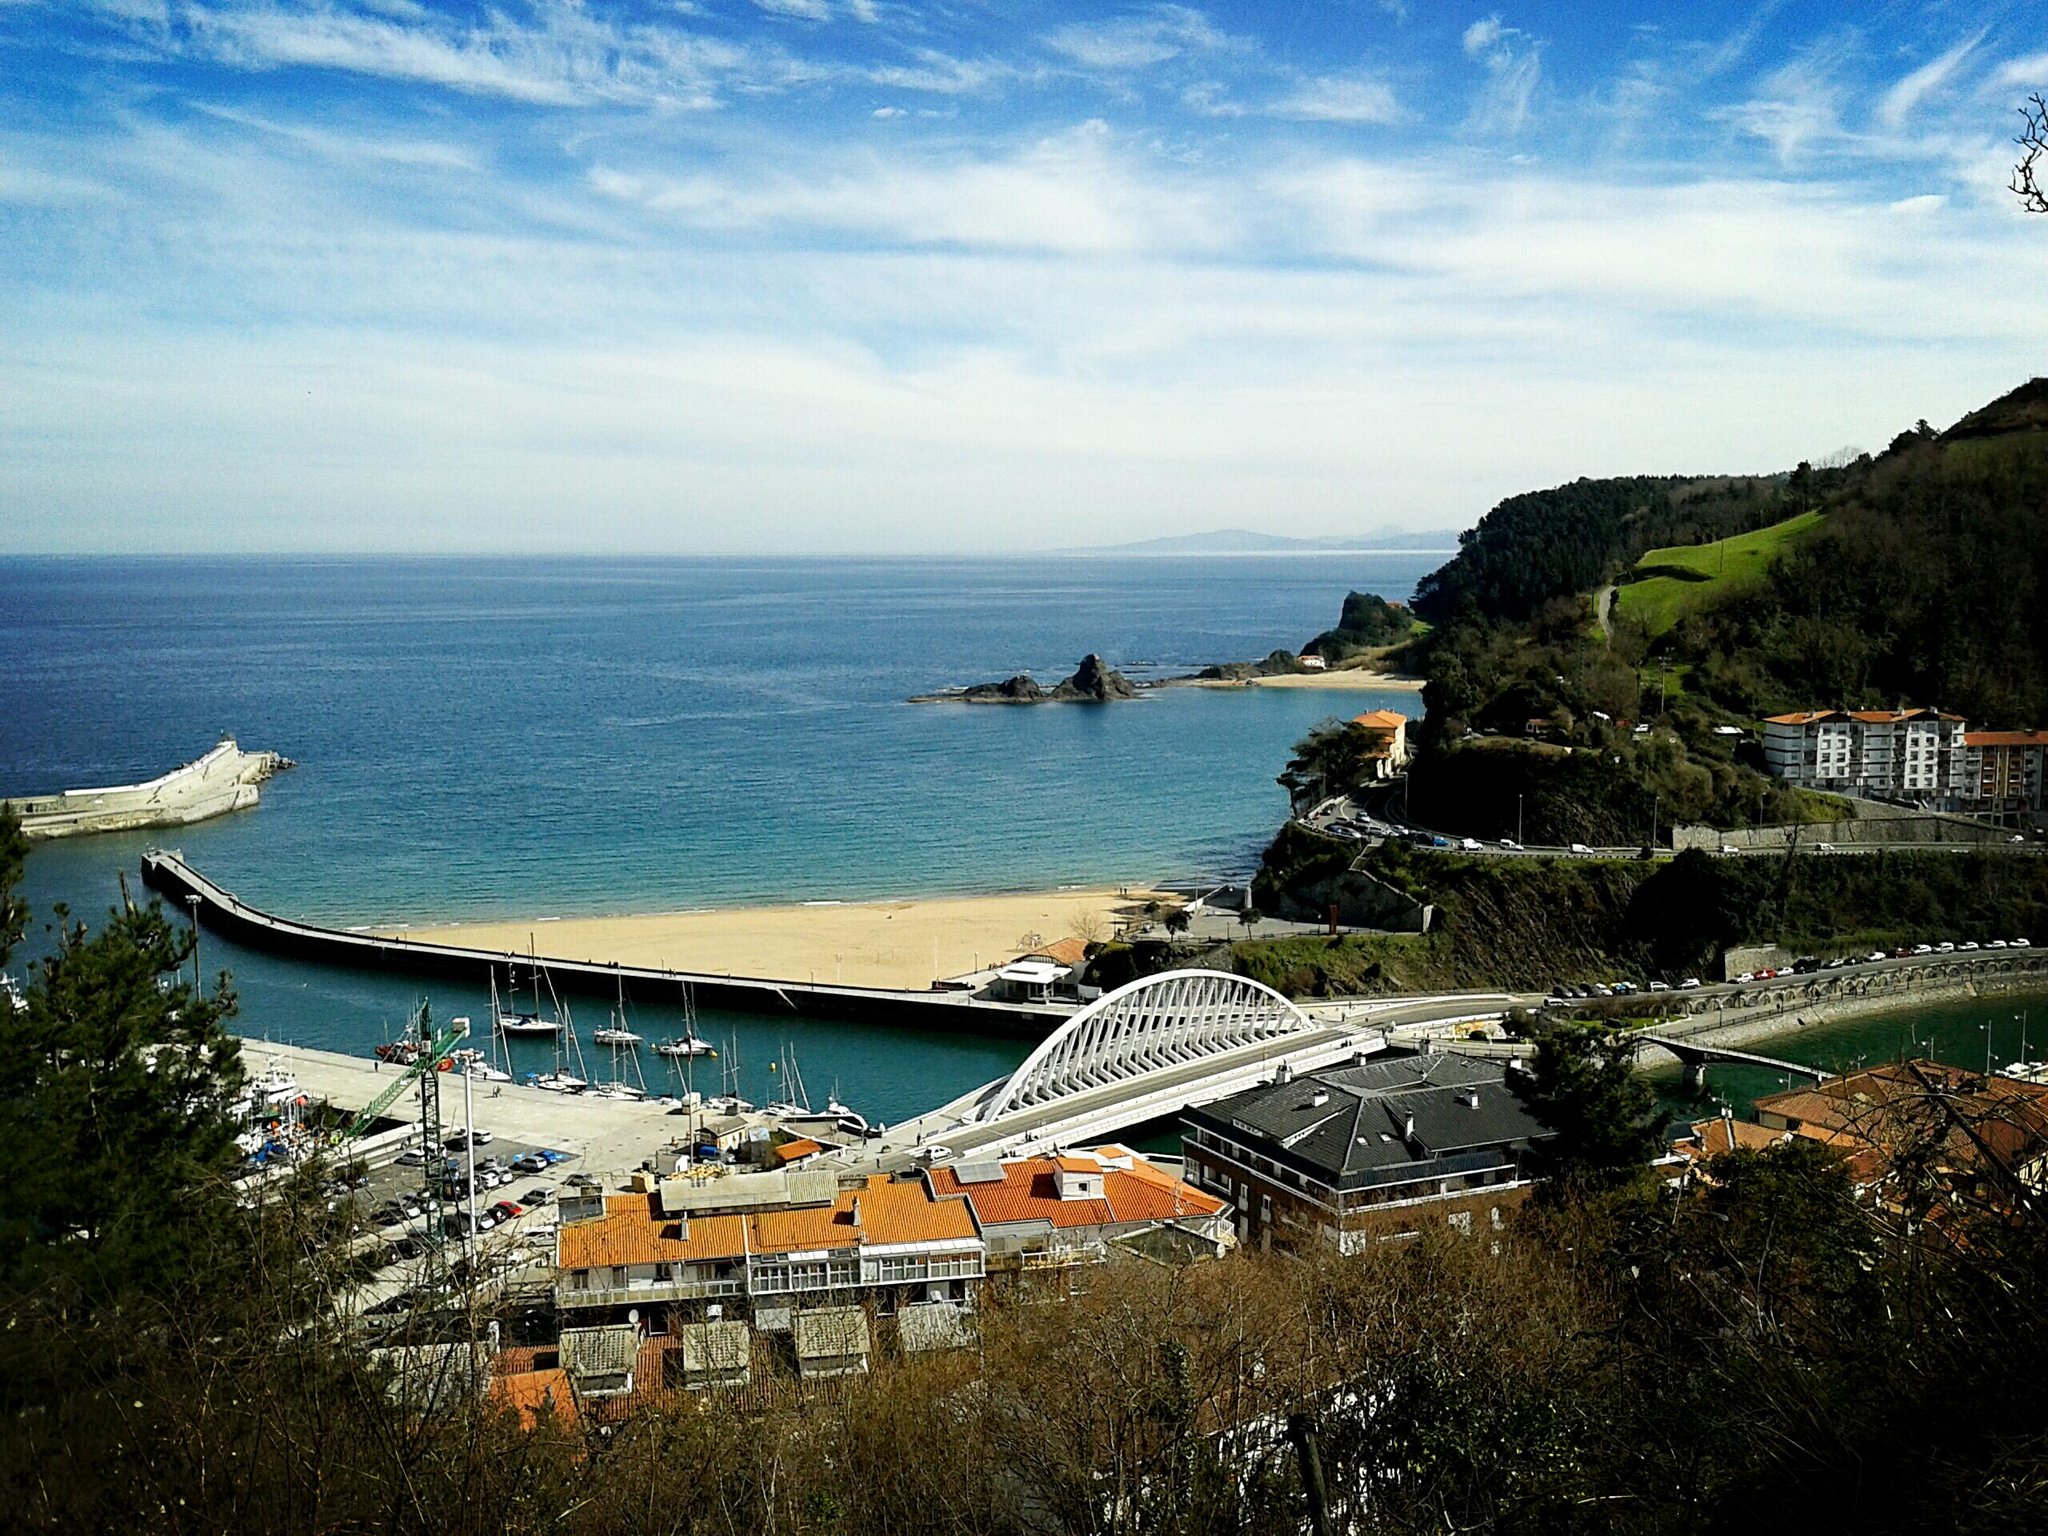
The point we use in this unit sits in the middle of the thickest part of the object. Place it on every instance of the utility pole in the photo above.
(1518, 818)
(192, 904)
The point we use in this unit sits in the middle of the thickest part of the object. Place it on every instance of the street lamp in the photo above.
(192, 903)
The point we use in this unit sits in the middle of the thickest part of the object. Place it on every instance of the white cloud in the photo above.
(865, 11)
(1134, 42)
(1902, 98)
(1341, 99)
(2030, 73)
(937, 73)
(1514, 64)
(800, 10)
(887, 112)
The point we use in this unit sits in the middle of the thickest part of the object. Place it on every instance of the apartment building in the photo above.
(768, 1245)
(2002, 775)
(1898, 754)
(1357, 1154)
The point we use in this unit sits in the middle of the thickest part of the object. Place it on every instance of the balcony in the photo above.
(642, 1293)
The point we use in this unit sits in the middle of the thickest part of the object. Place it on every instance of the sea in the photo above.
(537, 738)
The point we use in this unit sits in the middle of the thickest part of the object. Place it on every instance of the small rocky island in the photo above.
(1093, 682)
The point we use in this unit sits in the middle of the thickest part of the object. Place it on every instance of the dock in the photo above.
(220, 910)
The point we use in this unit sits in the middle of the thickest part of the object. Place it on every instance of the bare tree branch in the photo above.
(2034, 140)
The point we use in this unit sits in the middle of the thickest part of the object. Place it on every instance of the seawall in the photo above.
(170, 875)
(223, 780)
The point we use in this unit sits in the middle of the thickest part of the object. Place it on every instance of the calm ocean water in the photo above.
(531, 737)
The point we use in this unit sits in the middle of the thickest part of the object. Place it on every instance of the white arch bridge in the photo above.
(1151, 1048)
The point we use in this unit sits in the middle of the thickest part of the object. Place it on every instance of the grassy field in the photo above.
(1669, 583)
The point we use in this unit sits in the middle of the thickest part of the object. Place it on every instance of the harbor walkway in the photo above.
(219, 909)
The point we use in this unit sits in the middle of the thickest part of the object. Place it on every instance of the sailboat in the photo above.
(561, 1079)
(689, 1044)
(793, 1084)
(621, 1040)
(512, 1022)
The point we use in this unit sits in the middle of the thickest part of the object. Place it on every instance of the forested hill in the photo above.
(1928, 583)
(1544, 545)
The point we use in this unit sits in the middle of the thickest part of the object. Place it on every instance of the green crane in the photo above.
(419, 1029)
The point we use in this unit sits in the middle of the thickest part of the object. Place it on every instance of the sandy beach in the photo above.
(876, 944)
(1348, 681)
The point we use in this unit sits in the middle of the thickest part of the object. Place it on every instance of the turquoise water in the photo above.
(484, 738)
(1961, 1033)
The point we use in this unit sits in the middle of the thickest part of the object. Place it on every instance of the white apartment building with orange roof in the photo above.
(1888, 754)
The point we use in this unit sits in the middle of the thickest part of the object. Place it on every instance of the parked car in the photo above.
(1730, 848)
(2022, 944)
(1689, 983)
(1469, 844)
(1510, 844)
(507, 1209)
(539, 1195)
(1660, 986)
(1945, 947)
(1923, 949)
(1967, 944)
(551, 1156)
(582, 1181)
(411, 1157)
(530, 1162)
(1580, 848)
(1996, 944)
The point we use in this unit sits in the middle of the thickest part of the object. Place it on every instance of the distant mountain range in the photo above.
(1242, 541)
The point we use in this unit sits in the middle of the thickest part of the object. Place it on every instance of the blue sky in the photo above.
(842, 275)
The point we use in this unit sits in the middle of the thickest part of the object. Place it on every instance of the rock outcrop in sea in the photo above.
(1093, 682)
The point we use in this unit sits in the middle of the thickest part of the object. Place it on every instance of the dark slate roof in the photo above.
(1384, 1120)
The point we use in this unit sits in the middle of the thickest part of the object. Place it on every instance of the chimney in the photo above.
(1283, 1073)
(1408, 1130)
(1319, 1098)
(856, 1211)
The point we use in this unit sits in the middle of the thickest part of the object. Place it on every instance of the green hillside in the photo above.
(1667, 584)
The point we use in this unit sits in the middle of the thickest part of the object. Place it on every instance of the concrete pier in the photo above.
(236, 919)
(221, 781)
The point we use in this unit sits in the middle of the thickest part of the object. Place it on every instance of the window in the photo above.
(579, 1279)
(618, 1274)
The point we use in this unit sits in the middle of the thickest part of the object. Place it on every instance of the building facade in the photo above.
(2002, 776)
(1902, 754)
(1357, 1154)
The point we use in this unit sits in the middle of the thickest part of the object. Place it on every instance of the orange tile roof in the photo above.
(1380, 720)
(632, 1230)
(1028, 1193)
(793, 1151)
(1714, 1136)
(2005, 738)
(1867, 716)
(530, 1394)
(1066, 951)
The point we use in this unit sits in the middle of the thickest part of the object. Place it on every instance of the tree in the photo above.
(1250, 917)
(1332, 759)
(1177, 920)
(13, 854)
(2033, 140)
(1584, 1086)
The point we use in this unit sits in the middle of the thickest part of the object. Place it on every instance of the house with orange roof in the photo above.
(1388, 730)
(1050, 1212)
(766, 1243)
(1980, 1136)
(2004, 775)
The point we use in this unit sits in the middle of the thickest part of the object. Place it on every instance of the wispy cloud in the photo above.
(1134, 42)
(1341, 99)
(1902, 98)
(1514, 64)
